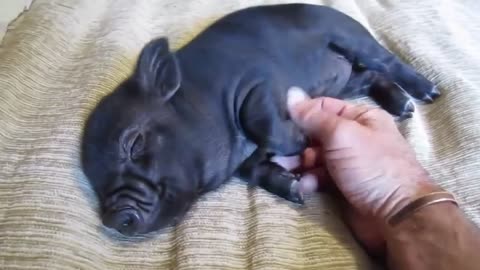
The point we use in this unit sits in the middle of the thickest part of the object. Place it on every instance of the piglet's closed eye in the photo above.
(133, 143)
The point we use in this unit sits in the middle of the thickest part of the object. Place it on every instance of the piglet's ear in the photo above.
(157, 69)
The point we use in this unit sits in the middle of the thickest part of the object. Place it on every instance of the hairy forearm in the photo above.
(436, 237)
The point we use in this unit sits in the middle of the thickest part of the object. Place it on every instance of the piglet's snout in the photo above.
(125, 217)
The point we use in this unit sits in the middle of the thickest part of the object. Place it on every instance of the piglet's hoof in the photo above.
(296, 195)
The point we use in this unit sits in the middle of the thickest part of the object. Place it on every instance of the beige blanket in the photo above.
(61, 57)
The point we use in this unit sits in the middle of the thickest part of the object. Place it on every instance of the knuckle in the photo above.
(378, 113)
(311, 110)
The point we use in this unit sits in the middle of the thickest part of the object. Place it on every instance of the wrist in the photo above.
(417, 186)
(424, 234)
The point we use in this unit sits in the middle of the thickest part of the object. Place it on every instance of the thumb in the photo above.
(316, 117)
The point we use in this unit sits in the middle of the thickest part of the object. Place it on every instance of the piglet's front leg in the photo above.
(259, 170)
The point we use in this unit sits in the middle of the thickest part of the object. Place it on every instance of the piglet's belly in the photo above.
(335, 71)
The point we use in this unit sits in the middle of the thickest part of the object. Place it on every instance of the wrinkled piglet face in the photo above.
(135, 148)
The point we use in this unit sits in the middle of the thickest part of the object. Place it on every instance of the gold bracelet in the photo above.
(419, 203)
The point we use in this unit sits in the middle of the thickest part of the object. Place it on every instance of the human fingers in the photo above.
(313, 180)
(299, 104)
(309, 114)
(375, 118)
(311, 158)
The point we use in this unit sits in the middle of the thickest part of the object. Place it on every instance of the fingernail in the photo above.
(295, 95)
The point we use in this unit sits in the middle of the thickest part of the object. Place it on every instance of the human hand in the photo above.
(363, 152)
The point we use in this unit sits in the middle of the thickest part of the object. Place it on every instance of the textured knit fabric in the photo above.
(61, 57)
